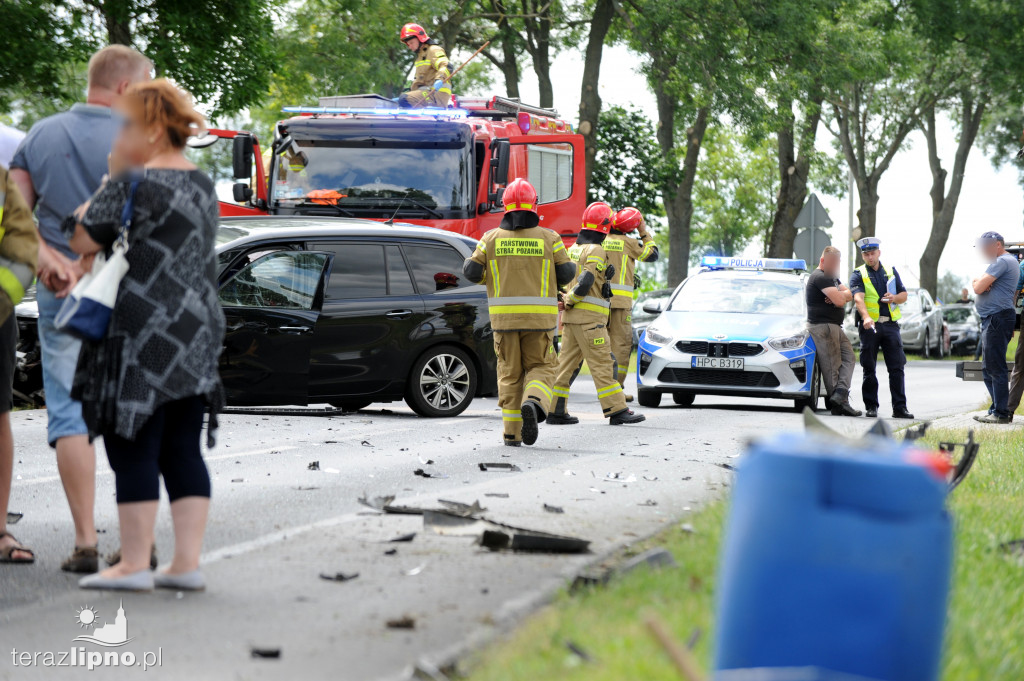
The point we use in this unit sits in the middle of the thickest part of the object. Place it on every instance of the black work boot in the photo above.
(624, 417)
(531, 413)
(841, 405)
(556, 419)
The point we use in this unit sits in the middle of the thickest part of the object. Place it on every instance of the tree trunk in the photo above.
(677, 189)
(794, 168)
(117, 16)
(590, 100)
(510, 67)
(537, 22)
(944, 203)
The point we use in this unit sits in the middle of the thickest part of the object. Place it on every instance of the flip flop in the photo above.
(6, 553)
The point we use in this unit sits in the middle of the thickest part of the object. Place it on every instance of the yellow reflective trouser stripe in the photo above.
(525, 309)
(14, 289)
(511, 415)
(609, 390)
(545, 275)
(494, 275)
(560, 391)
(592, 308)
(538, 386)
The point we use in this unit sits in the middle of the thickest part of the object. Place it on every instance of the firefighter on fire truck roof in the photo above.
(585, 325)
(623, 251)
(524, 265)
(430, 84)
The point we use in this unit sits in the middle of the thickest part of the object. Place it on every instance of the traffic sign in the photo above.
(813, 214)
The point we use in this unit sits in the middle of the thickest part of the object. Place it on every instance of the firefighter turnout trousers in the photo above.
(620, 330)
(416, 99)
(588, 343)
(526, 369)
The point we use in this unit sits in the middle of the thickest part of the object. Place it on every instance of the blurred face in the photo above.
(991, 250)
(830, 264)
(136, 143)
(413, 44)
(871, 258)
(963, 293)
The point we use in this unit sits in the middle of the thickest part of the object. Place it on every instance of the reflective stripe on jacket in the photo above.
(623, 251)
(431, 65)
(591, 307)
(871, 296)
(519, 270)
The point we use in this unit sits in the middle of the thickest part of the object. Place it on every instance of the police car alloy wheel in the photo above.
(442, 382)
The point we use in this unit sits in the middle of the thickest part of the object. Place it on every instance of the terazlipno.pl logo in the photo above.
(111, 634)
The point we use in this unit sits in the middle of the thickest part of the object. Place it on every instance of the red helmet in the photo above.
(626, 220)
(598, 217)
(413, 31)
(520, 195)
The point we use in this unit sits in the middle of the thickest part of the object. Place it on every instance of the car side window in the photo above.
(285, 280)
(435, 267)
(359, 271)
(399, 279)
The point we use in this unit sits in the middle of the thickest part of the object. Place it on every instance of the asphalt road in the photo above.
(276, 525)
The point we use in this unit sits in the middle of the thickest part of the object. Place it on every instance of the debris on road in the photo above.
(266, 653)
(650, 478)
(391, 552)
(13, 517)
(423, 474)
(403, 622)
(402, 538)
(499, 495)
(1014, 547)
(688, 528)
(366, 443)
(313, 466)
(416, 570)
(498, 536)
(238, 480)
(649, 502)
(305, 489)
(553, 509)
(569, 473)
(726, 466)
(384, 505)
(507, 467)
(339, 577)
(600, 576)
(619, 477)
(459, 508)
(426, 462)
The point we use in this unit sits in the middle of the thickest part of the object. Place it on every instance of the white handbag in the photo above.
(89, 306)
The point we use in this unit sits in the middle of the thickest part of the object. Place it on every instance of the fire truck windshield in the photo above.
(375, 180)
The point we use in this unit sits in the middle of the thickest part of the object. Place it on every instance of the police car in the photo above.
(737, 327)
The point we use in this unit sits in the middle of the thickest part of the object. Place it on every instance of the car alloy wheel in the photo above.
(442, 383)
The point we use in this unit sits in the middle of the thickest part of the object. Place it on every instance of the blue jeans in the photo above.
(996, 332)
(60, 358)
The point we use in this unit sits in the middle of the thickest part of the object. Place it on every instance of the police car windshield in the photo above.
(742, 293)
(374, 181)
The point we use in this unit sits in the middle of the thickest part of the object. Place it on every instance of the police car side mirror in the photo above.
(652, 308)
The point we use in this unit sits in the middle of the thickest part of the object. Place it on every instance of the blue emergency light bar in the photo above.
(427, 112)
(721, 262)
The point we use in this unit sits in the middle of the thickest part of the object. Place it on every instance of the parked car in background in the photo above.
(921, 326)
(642, 319)
(964, 327)
(349, 312)
(28, 366)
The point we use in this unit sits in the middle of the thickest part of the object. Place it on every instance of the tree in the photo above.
(948, 287)
(215, 50)
(734, 193)
(628, 164)
(590, 100)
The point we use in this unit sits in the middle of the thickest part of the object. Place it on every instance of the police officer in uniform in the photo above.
(523, 265)
(585, 325)
(430, 84)
(623, 251)
(878, 292)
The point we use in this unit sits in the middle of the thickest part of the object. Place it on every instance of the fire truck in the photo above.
(360, 156)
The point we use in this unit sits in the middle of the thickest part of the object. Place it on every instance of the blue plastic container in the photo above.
(835, 557)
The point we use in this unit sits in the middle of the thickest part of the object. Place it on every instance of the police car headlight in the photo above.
(656, 336)
(793, 342)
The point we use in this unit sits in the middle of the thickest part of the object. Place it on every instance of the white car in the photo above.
(738, 327)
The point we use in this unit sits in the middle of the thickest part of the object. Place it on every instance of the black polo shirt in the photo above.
(878, 280)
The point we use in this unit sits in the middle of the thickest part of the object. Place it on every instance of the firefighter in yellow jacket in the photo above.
(431, 81)
(523, 265)
(623, 251)
(585, 325)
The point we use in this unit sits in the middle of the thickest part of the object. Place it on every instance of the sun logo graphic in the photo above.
(110, 635)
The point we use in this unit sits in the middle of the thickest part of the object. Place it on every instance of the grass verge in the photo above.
(986, 612)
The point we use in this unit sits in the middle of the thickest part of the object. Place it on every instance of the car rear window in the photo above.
(435, 267)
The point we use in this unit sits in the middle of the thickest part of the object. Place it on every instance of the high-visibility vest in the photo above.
(871, 295)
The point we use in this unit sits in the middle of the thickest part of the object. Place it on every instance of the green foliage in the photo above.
(734, 196)
(949, 286)
(628, 166)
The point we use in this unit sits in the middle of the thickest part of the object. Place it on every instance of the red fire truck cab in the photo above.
(360, 156)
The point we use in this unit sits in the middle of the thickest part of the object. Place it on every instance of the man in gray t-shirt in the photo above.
(995, 291)
(57, 167)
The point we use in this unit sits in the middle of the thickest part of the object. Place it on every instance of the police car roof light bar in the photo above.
(721, 262)
(428, 112)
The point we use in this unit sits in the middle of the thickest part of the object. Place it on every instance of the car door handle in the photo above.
(294, 329)
(398, 314)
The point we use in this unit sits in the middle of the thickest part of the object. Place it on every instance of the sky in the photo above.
(991, 199)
